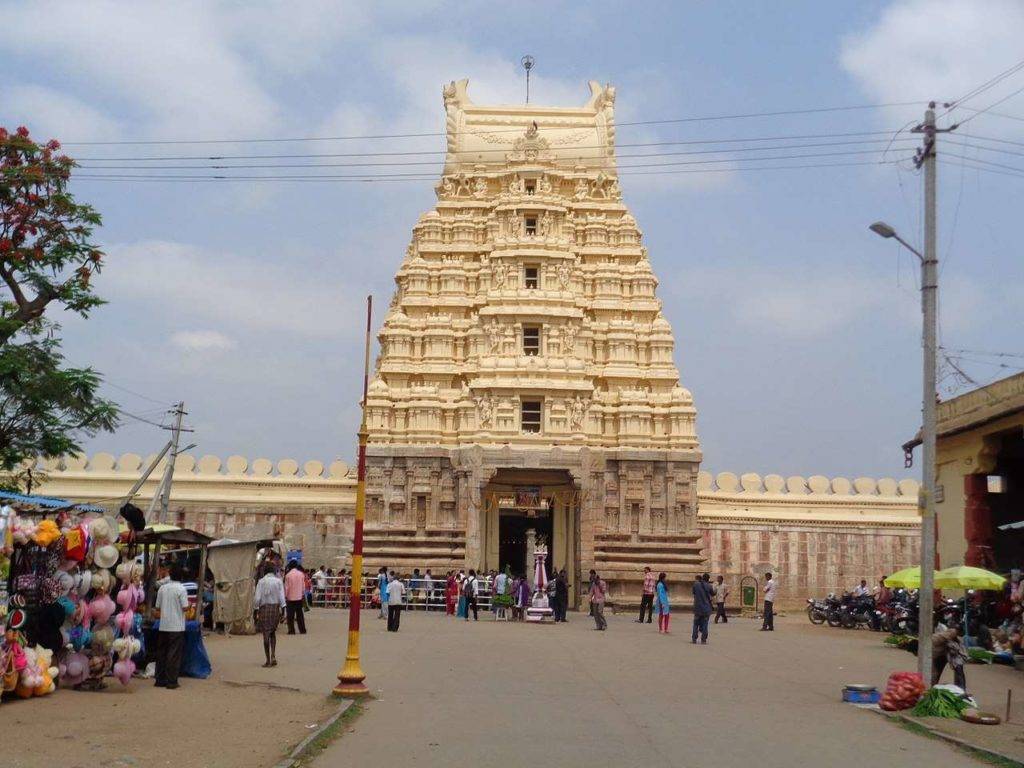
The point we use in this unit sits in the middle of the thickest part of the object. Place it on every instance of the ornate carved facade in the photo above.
(525, 334)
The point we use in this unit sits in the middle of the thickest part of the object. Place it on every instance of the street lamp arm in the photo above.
(909, 247)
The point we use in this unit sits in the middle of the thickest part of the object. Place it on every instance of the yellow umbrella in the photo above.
(908, 578)
(966, 577)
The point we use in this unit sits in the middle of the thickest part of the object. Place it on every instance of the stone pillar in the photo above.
(977, 522)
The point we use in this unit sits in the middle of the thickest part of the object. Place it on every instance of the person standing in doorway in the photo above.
(294, 594)
(470, 589)
(382, 589)
(701, 608)
(647, 597)
(598, 593)
(770, 589)
(664, 606)
(269, 603)
(396, 592)
(721, 594)
(171, 602)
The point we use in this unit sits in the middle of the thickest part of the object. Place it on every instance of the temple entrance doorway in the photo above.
(514, 531)
(523, 507)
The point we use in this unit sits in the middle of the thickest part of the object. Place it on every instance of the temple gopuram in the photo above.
(526, 384)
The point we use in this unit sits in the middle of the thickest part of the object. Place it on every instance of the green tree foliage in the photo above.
(45, 256)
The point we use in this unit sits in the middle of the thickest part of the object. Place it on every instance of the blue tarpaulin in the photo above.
(47, 502)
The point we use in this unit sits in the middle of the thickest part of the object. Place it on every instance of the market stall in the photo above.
(70, 615)
(233, 565)
(157, 546)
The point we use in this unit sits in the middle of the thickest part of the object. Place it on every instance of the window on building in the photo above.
(531, 187)
(531, 340)
(531, 225)
(531, 277)
(530, 412)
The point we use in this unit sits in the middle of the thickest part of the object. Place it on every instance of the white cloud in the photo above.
(202, 341)
(936, 49)
(251, 293)
(52, 114)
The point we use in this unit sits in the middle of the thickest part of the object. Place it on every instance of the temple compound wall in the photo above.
(817, 534)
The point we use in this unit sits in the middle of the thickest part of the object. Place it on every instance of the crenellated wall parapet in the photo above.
(750, 498)
(236, 480)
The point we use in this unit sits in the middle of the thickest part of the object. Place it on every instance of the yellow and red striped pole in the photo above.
(351, 677)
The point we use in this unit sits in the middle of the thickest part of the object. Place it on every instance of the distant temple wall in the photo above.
(817, 534)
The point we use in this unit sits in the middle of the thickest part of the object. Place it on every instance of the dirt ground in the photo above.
(242, 715)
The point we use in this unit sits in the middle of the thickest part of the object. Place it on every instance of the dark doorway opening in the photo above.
(512, 528)
(1007, 504)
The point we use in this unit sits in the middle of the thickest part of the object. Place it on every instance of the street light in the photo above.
(926, 500)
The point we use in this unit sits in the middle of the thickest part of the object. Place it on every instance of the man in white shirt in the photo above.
(171, 602)
(319, 586)
(721, 593)
(861, 590)
(269, 604)
(396, 592)
(428, 587)
(770, 588)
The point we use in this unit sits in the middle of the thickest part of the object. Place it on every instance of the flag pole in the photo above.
(351, 677)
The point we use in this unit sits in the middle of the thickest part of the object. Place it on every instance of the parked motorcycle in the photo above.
(859, 611)
(817, 610)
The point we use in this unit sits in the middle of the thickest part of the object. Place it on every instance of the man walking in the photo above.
(769, 604)
(701, 608)
(721, 593)
(294, 595)
(598, 591)
(396, 591)
(171, 602)
(647, 598)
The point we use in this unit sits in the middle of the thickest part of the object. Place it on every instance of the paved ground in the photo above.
(487, 694)
(453, 694)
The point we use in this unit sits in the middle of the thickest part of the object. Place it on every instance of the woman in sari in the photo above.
(451, 593)
(460, 581)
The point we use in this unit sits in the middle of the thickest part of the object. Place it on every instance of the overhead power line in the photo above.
(419, 177)
(437, 163)
(428, 134)
(987, 85)
(502, 151)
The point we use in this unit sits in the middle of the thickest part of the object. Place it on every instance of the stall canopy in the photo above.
(233, 565)
(30, 502)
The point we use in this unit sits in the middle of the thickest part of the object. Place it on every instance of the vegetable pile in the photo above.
(939, 702)
(902, 691)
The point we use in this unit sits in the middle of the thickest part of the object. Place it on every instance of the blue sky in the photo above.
(797, 330)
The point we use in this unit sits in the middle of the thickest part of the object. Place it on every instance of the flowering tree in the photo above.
(45, 257)
(45, 253)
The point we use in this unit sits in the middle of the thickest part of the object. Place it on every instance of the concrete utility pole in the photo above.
(929, 310)
(163, 491)
(929, 307)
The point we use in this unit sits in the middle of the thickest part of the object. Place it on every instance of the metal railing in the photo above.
(418, 597)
